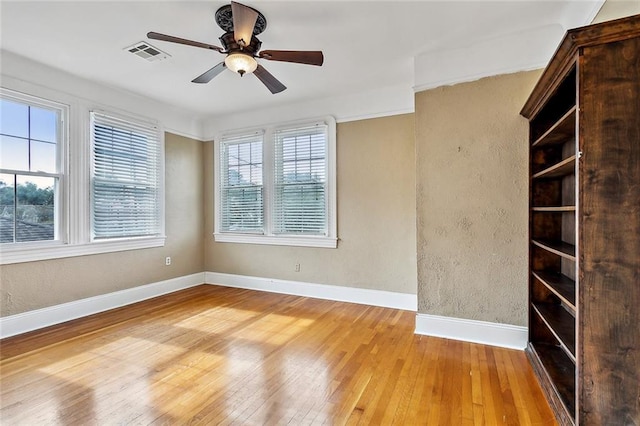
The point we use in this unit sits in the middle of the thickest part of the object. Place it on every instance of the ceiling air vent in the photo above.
(148, 52)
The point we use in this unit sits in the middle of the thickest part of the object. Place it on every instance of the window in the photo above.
(75, 181)
(32, 141)
(277, 185)
(300, 204)
(126, 196)
(241, 193)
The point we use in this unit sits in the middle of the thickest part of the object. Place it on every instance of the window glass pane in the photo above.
(256, 174)
(7, 208)
(244, 163)
(242, 209)
(303, 146)
(302, 209)
(35, 208)
(318, 170)
(233, 177)
(44, 124)
(43, 157)
(232, 155)
(288, 151)
(245, 174)
(14, 118)
(244, 153)
(256, 152)
(14, 153)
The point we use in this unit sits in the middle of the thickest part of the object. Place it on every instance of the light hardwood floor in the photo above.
(216, 355)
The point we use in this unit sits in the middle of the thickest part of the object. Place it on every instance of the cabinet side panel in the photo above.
(609, 237)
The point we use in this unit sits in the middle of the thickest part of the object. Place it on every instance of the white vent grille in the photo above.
(147, 51)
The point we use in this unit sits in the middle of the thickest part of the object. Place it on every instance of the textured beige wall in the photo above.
(614, 9)
(471, 196)
(376, 217)
(34, 285)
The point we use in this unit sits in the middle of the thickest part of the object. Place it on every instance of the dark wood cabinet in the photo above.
(584, 262)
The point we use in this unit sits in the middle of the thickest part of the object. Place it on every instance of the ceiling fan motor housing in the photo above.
(230, 45)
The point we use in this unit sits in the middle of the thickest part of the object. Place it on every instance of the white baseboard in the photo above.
(486, 333)
(504, 335)
(40, 318)
(363, 296)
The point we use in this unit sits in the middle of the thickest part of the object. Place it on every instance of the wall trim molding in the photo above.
(374, 103)
(362, 296)
(52, 315)
(486, 333)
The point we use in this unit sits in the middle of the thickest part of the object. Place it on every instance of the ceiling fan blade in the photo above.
(244, 20)
(298, 57)
(209, 75)
(172, 39)
(269, 80)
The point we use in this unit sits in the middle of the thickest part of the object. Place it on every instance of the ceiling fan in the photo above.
(241, 25)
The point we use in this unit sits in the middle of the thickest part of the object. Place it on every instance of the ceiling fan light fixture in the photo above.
(241, 63)
(241, 48)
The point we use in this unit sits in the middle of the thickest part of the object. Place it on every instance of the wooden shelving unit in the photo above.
(584, 294)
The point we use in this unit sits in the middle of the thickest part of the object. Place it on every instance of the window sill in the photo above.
(297, 241)
(31, 252)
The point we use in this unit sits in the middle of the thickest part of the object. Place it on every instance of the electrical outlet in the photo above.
(167, 260)
(297, 267)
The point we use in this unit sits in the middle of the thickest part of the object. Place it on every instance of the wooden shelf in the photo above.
(554, 209)
(566, 250)
(563, 168)
(562, 131)
(561, 323)
(560, 371)
(561, 285)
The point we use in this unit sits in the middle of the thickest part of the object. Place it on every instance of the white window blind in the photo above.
(300, 203)
(126, 184)
(241, 185)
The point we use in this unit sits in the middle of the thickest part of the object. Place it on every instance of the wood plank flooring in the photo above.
(216, 355)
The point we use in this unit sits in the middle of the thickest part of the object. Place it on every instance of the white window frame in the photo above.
(76, 239)
(61, 223)
(251, 137)
(269, 238)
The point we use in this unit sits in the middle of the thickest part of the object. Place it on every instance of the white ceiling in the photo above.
(367, 44)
